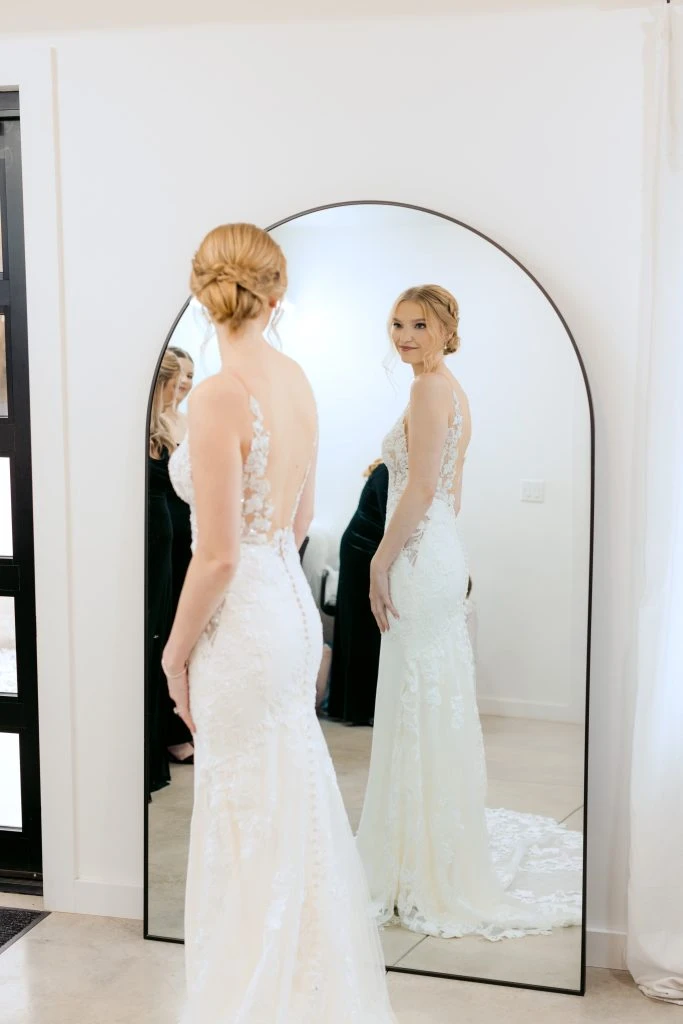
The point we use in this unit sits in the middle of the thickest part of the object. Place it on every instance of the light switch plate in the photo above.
(533, 490)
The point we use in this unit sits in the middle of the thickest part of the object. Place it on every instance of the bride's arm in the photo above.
(217, 410)
(428, 416)
(305, 511)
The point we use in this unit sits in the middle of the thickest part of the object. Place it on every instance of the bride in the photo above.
(436, 860)
(277, 921)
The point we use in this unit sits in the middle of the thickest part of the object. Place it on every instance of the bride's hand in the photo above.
(380, 596)
(179, 691)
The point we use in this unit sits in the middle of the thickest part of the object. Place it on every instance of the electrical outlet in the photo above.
(533, 490)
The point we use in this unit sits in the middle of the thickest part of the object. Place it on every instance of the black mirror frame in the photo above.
(404, 970)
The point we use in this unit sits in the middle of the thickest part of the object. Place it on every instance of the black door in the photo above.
(20, 845)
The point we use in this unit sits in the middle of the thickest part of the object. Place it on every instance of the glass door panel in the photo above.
(8, 649)
(10, 788)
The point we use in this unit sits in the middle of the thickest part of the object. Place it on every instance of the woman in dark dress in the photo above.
(356, 644)
(178, 736)
(159, 569)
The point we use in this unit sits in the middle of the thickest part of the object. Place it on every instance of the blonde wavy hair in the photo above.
(442, 316)
(160, 433)
(236, 271)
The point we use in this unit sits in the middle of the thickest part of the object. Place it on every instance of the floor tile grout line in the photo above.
(579, 808)
(409, 951)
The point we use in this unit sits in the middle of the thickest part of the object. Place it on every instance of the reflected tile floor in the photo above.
(534, 767)
(169, 831)
(553, 960)
(72, 969)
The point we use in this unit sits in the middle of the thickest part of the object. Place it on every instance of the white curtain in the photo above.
(655, 929)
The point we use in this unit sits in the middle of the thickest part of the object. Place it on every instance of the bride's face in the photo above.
(410, 334)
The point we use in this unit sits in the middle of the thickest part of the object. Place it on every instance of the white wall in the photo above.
(528, 127)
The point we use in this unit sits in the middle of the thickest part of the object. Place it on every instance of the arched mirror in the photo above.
(526, 521)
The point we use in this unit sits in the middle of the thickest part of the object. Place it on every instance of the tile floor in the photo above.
(72, 969)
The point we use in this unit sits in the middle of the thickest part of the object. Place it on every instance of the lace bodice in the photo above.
(395, 457)
(258, 513)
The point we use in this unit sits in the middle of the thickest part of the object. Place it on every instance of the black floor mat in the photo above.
(13, 923)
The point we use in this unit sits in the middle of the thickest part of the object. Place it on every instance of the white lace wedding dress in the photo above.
(278, 928)
(436, 860)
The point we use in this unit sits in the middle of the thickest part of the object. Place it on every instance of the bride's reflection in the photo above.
(425, 838)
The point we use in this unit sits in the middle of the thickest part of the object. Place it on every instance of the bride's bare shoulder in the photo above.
(288, 362)
(294, 373)
(216, 388)
(430, 387)
(218, 400)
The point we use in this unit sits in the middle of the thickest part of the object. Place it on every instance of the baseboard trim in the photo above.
(105, 900)
(510, 708)
(606, 950)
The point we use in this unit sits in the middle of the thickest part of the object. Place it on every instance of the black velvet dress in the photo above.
(356, 643)
(159, 617)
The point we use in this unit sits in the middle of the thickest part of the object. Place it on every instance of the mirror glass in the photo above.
(517, 642)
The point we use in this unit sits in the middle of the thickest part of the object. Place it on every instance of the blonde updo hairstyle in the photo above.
(442, 316)
(236, 271)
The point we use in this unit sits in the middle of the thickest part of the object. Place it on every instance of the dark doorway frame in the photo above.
(20, 849)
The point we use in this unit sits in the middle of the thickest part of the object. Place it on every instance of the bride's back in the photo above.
(279, 441)
(239, 275)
